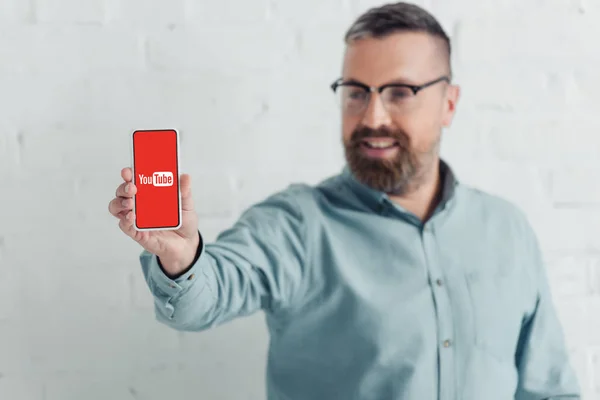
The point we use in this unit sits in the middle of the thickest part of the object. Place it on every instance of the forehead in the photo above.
(412, 56)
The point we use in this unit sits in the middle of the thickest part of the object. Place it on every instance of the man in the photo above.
(390, 280)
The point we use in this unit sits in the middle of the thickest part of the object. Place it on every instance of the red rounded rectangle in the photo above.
(155, 158)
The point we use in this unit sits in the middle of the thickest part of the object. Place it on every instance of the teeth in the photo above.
(380, 144)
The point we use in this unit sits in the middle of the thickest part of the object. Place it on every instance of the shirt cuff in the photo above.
(173, 286)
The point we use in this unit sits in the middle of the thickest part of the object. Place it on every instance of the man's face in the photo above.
(392, 148)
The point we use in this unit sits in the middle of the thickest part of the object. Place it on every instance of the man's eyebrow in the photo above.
(397, 81)
(352, 80)
(400, 81)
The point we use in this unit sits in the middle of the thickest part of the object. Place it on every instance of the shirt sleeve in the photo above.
(542, 358)
(257, 264)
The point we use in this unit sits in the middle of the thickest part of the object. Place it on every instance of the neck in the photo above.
(424, 198)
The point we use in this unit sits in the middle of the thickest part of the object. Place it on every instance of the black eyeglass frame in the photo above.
(414, 88)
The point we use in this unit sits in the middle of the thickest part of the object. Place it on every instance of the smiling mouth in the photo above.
(379, 143)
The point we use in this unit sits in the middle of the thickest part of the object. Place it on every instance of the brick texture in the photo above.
(246, 83)
(69, 11)
(16, 12)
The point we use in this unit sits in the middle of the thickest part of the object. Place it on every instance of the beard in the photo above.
(396, 176)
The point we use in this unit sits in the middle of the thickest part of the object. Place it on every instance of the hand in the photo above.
(175, 248)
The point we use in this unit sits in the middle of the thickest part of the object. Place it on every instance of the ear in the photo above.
(450, 103)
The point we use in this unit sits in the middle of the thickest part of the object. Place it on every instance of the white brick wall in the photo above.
(246, 82)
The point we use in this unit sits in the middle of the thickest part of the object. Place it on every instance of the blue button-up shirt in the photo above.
(364, 301)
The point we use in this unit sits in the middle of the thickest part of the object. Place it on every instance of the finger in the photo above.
(127, 174)
(126, 189)
(122, 214)
(126, 225)
(187, 204)
(120, 205)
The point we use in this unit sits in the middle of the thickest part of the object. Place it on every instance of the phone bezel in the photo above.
(179, 207)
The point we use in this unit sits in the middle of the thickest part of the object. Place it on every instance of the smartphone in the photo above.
(155, 166)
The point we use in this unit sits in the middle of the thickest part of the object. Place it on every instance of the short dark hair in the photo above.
(398, 17)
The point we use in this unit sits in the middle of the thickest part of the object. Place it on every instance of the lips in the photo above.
(380, 143)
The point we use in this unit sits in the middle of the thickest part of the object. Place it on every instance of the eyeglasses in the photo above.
(354, 97)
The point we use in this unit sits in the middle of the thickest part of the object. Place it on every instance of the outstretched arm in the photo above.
(257, 264)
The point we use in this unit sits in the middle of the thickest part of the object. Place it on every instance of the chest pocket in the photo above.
(496, 306)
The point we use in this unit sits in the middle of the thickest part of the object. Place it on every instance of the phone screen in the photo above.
(157, 203)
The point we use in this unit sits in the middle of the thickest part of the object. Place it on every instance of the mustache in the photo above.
(364, 132)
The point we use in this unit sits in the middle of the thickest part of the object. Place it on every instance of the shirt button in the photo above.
(447, 343)
(439, 282)
(171, 285)
(191, 277)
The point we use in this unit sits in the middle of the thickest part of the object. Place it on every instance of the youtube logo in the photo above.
(159, 179)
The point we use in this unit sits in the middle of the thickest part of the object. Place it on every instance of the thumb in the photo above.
(185, 183)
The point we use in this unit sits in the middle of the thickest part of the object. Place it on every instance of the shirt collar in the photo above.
(375, 198)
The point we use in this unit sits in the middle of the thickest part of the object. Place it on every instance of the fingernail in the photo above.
(126, 188)
(124, 203)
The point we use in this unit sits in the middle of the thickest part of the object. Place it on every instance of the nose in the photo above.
(376, 114)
